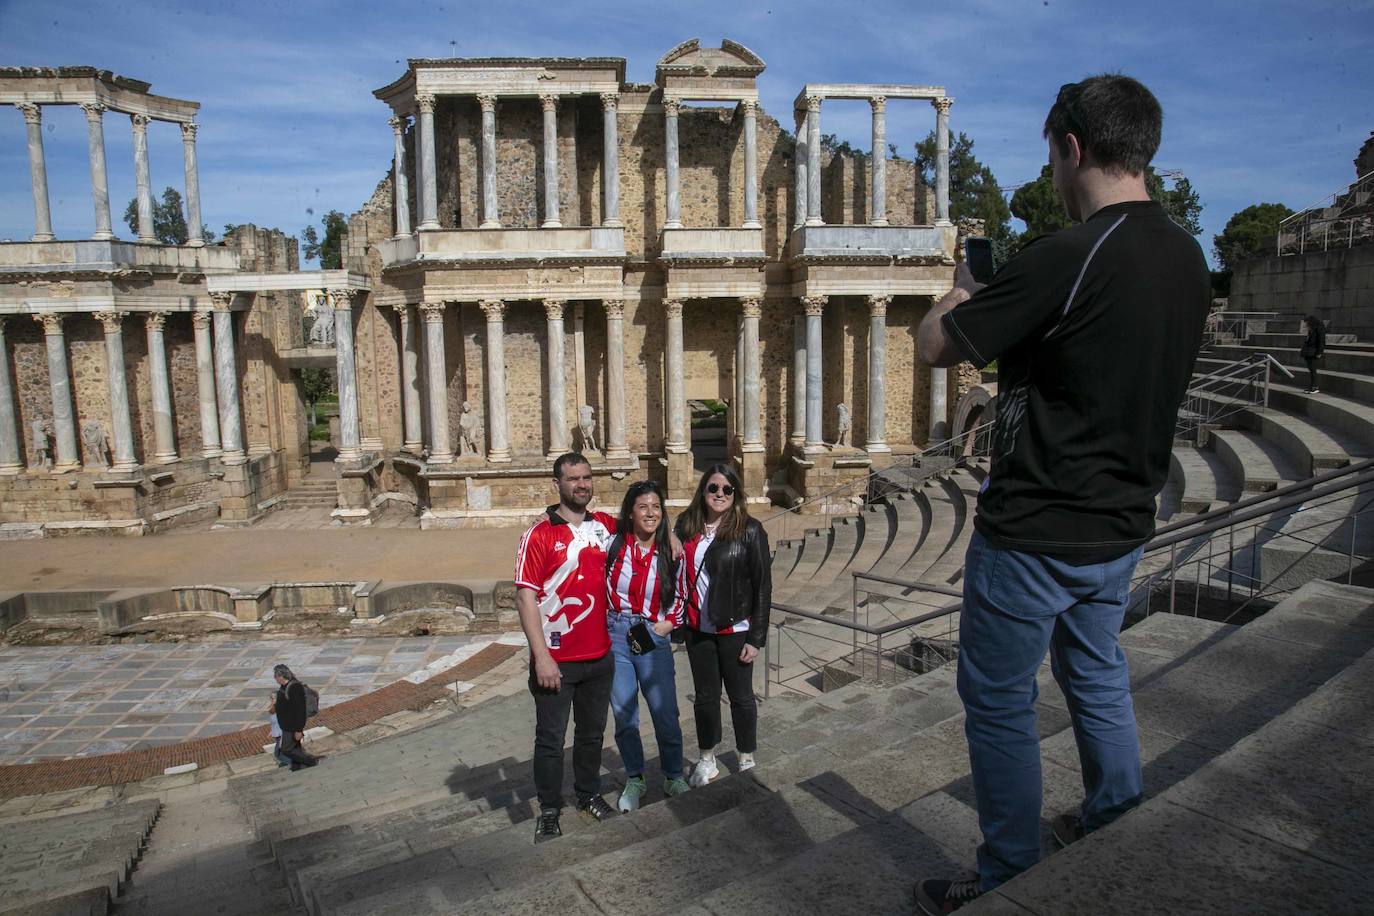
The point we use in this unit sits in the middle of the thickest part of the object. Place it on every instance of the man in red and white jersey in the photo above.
(560, 581)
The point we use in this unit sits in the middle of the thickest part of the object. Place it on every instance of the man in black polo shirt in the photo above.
(1094, 329)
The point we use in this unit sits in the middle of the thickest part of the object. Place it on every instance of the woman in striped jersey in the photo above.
(640, 580)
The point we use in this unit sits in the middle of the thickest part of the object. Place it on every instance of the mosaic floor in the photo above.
(72, 701)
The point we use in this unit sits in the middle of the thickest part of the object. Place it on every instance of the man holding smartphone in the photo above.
(1095, 329)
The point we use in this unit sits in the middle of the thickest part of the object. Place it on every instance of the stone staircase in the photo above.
(311, 493)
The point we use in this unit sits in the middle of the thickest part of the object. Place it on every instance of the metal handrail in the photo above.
(1299, 227)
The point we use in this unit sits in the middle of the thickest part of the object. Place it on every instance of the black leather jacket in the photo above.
(741, 582)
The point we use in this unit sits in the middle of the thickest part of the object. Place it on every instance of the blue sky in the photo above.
(1263, 101)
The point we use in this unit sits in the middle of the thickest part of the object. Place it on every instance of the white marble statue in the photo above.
(41, 430)
(586, 423)
(469, 431)
(322, 331)
(97, 446)
(844, 426)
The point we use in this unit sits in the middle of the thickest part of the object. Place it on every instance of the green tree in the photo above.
(169, 223)
(973, 188)
(1248, 233)
(316, 384)
(1038, 205)
(329, 249)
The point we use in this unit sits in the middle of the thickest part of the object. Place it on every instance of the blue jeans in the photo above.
(653, 673)
(1016, 606)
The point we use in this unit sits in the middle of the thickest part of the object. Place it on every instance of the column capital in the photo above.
(51, 321)
(942, 104)
(112, 320)
(877, 305)
(221, 302)
(156, 321)
(342, 299)
(814, 305)
(553, 309)
(751, 308)
(402, 309)
(750, 107)
(94, 110)
(432, 310)
(494, 309)
(487, 101)
(813, 103)
(188, 131)
(549, 101)
(139, 121)
(609, 100)
(671, 106)
(615, 309)
(424, 102)
(878, 103)
(399, 123)
(201, 319)
(31, 112)
(673, 307)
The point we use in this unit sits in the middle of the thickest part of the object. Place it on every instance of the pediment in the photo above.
(731, 59)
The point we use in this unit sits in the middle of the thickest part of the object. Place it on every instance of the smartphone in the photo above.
(978, 256)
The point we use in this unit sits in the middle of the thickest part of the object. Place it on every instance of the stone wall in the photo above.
(1337, 286)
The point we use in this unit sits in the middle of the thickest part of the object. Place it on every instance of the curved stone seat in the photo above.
(879, 522)
(1257, 462)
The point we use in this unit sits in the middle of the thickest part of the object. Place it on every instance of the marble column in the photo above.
(350, 437)
(59, 382)
(877, 370)
(939, 403)
(751, 165)
(227, 380)
(410, 382)
(164, 425)
(550, 105)
(436, 373)
(10, 462)
(205, 385)
(674, 382)
(195, 235)
(799, 157)
(736, 417)
(753, 436)
(142, 179)
(491, 218)
(558, 395)
(429, 179)
(671, 107)
(118, 387)
(580, 351)
(616, 447)
(878, 206)
(498, 434)
(610, 169)
(813, 161)
(38, 172)
(942, 159)
(400, 190)
(100, 189)
(799, 380)
(815, 308)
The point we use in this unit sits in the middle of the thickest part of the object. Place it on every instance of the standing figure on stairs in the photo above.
(291, 716)
(1312, 349)
(1119, 299)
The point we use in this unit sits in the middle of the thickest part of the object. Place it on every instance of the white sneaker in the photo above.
(746, 762)
(705, 771)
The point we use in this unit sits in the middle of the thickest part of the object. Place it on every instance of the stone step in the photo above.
(1260, 465)
(913, 520)
(1311, 446)
(1352, 420)
(1357, 360)
(879, 522)
(845, 535)
(1357, 386)
(815, 547)
(1205, 478)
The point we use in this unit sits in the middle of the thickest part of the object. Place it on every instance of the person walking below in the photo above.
(1095, 330)
(560, 592)
(640, 574)
(1312, 349)
(291, 716)
(725, 592)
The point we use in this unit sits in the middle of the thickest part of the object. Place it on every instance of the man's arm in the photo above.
(546, 673)
(933, 345)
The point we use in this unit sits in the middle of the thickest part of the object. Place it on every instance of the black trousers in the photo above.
(291, 749)
(1311, 370)
(715, 661)
(585, 692)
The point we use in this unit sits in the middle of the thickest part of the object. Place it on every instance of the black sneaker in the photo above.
(935, 898)
(547, 828)
(596, 807)
(1066, 829)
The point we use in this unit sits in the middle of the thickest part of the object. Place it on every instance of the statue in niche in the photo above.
(586, 424)
(844, 426)
(97, 447)
(469, 431)
(322, 330)
(41, 432)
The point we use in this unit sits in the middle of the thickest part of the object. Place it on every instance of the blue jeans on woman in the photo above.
(653, 673)
(1017, 605)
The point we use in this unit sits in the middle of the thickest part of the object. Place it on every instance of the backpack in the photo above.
(312, 700)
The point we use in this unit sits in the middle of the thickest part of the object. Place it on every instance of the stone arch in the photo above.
(975, 407)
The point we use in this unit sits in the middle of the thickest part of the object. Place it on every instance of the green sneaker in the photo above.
(630, 795)
(675, 786)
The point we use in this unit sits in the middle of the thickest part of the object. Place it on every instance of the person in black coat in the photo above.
(1312, 349)
(291, 716)
(724, 592)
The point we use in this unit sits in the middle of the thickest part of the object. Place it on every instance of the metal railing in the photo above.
(1224, 327)
(1213, 397)
(1340, 220)
(1194, 543)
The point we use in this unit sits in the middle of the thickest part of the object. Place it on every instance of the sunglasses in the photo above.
(714, 488)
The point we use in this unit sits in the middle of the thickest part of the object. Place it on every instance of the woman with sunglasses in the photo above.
(724, 590)
(640, 580)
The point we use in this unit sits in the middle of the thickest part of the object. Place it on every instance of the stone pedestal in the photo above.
(681, 475)
(753, 472)
(814, 473)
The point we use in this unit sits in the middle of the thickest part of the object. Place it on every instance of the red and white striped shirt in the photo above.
(693, 583)
(633, 583)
